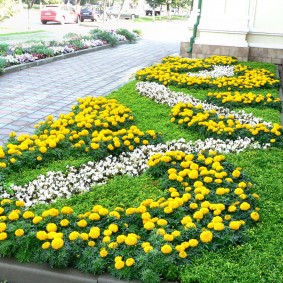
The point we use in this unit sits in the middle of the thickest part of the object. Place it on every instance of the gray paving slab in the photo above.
(29, 95)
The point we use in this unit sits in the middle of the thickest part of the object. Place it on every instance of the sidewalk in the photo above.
(28, 96)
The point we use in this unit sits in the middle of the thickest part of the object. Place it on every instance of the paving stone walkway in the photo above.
(28, 96)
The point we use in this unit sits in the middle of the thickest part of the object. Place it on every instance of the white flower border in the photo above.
(218, 71)
(163, 95)
(47, 188)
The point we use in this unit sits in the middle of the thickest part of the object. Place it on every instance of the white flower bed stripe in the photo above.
(218, 71)
(47, 188)
(163, 95)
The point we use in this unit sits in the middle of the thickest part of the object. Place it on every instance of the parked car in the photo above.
(59, 13)
(90, 12)
(127, 13)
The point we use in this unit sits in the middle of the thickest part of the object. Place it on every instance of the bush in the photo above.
(2, 64)
(104, 36)
(42, 49)
(129, 35)
(4, 48)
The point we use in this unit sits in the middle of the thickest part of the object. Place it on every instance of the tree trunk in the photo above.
(121, 9)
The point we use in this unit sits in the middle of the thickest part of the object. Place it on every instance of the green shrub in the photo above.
(105, 36)
(42, 49)
(4, 47)
(2, 64)
(129, 35)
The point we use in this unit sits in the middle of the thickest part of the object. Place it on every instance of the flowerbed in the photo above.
(172, 71)
(211, 200)
(204, 202)
(237, 99)
(30, 52)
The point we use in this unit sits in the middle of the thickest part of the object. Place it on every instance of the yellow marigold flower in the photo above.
(176, 233)
(193, 242)
(43, 149)
(131, 240)
(236, 173)
(67, 210)
(149, 225)
(20, 203)
(74, 235)
(103, 211)
(103, 253)
(91, 243)
(198, 215)
(193, 205)
(94, 232)
(82, 223)
(162, 222)
(45, 245)
(130, 261)
(41, 235)
(166, 249)
(206, 236)
(13, 216)
(183, 254)
(19, 232)
(57, 243)
(51, 227)
(1, 210)
(28, 214)
(3, 227)
(113, 227)
(119, 264)
(64, 222)
(168, 237)
(118, 258)
(235, 225)
(219, 226)
(121, 239)
(53, 212)
(245, 206)
(254, 216)
(37, 219)
(94, 216)
(3, 236)
(168, 209)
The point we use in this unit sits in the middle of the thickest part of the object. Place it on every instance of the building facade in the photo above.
(248, 29)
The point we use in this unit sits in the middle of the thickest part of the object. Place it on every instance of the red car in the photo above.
(59, 13)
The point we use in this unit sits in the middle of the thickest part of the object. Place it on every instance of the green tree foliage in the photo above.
(6, 9)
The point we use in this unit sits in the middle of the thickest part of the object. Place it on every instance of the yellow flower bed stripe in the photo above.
(212, 125)
(172, 72)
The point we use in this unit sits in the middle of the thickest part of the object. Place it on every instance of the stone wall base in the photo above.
(258, 54)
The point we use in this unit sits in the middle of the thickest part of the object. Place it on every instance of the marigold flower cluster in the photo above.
(213, 125)
(96, 126)
(207, 203)
(237, 99)
(172, 71)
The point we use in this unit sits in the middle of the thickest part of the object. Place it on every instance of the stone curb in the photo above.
(59, 57)
(16, 272)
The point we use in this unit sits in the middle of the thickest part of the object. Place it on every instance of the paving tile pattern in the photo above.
(29, 95)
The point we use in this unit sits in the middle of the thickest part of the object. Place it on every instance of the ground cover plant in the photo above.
(32, 51)
(193, 209)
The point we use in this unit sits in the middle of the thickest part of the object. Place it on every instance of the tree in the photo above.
(6, 9)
